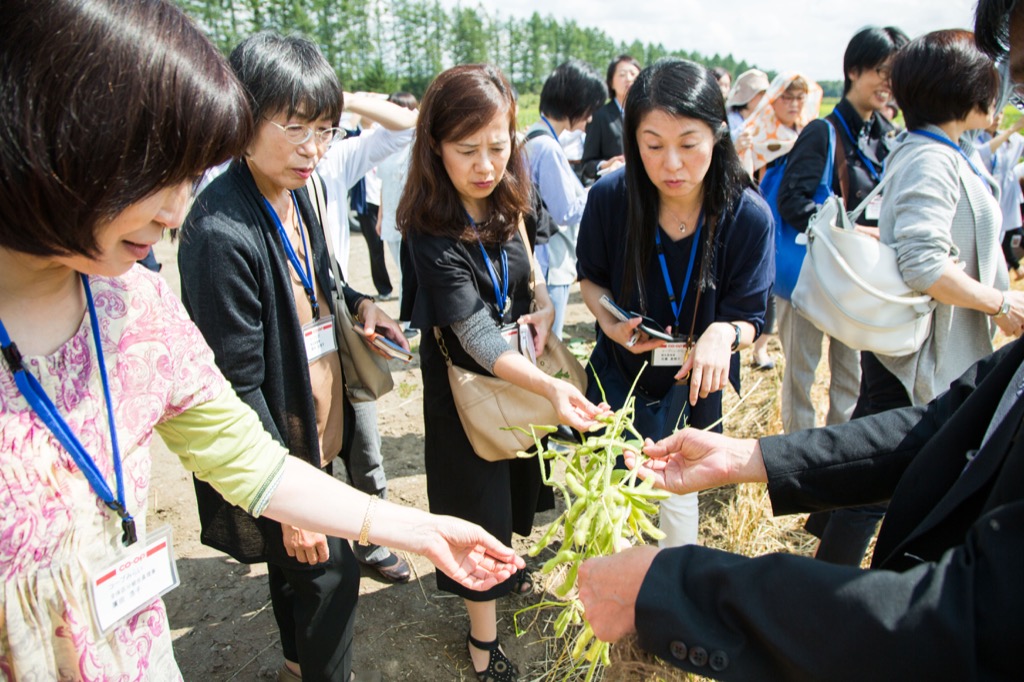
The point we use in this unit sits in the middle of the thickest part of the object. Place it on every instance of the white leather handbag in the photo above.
(851, 288)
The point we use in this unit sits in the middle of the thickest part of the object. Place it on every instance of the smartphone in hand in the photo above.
(647, 324)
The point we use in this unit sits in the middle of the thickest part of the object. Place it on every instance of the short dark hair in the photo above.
(868, 48)
(457, 103)
(104, 102)
(992, 26)
(609, 78)
(679, 88)
(942, 76)
(719, 71)
(573, 92)
(287, 74)
(404, 99)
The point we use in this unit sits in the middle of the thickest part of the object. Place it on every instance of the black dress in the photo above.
(502, 497)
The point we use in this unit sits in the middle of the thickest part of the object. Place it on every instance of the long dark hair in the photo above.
(457, 103)
(684, 89)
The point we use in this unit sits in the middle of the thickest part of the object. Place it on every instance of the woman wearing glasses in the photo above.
(682, 239)
(256, 279)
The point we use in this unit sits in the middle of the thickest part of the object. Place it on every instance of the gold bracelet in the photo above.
(364, 532)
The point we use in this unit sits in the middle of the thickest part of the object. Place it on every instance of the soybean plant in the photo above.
(606, 509)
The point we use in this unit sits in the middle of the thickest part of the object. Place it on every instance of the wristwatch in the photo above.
(1004, 307)
(739, 332)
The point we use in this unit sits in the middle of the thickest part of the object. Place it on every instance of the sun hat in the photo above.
(747, 85)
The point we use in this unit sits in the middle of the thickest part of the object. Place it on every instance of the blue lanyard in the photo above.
(500, 285)
(677, 303)
(949, 143)
(622, 112)
(856, 147)
(550, 127)
(305, 276)
(47, 412)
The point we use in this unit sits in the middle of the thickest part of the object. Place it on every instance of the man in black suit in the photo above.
(944, 598)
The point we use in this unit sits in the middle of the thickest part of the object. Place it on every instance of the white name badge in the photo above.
(145, 571)
(669, 355)
(319, 338)
(873, 211)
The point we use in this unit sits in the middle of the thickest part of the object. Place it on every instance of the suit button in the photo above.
(719, 661)
(699, 656)
(678, 650)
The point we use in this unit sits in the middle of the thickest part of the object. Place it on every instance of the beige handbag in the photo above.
(366, 374)
(493, 410)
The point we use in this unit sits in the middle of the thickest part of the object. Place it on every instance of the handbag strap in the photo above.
(842, 168)
(830, 155)
(315, 185)
(533, 263)
(443, 347)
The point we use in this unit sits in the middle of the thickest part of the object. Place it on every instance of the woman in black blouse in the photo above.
(467, 192)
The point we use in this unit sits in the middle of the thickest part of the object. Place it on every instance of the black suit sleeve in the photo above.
(782, 617)
(804, 166)
(861, 462)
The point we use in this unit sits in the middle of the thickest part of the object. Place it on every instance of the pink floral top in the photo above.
(52, 525)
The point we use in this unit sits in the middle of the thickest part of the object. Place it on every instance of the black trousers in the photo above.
(315, 610)
(846, 533)
(378, 268)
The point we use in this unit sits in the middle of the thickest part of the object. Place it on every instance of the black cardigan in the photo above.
(236, 286)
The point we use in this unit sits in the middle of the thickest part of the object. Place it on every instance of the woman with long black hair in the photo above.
(681, 238)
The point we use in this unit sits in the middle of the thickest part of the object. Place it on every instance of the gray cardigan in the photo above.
(935, 208)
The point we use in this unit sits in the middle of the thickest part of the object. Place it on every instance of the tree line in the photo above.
(390, 45)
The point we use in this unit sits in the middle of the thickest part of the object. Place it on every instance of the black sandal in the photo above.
(499, 668)
(523, 584)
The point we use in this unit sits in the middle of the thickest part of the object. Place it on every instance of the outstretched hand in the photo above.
(467, 553)
(691, 460)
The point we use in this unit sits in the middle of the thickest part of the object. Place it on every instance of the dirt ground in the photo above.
(221, 618)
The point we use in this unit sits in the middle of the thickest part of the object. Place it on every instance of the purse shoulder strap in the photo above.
(842, 168)
(315, 185)
(529, 254)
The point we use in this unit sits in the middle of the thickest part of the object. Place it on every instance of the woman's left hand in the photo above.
(467, 553)
(707, 362)
(541, 320)
(377, 321)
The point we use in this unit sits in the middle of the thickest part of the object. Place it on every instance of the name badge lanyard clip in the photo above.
(677, 303)
(305, 276)
(47, 412)
(871, 165)
(500, 284)
(949, 143)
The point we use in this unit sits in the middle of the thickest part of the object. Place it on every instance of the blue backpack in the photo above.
(789, 255)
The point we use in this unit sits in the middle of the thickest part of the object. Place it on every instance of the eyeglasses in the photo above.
(793, 98)
(299, 134)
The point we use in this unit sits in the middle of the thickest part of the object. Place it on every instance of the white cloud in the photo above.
(808, 35)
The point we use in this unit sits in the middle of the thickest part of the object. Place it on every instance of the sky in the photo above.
(806, 35)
